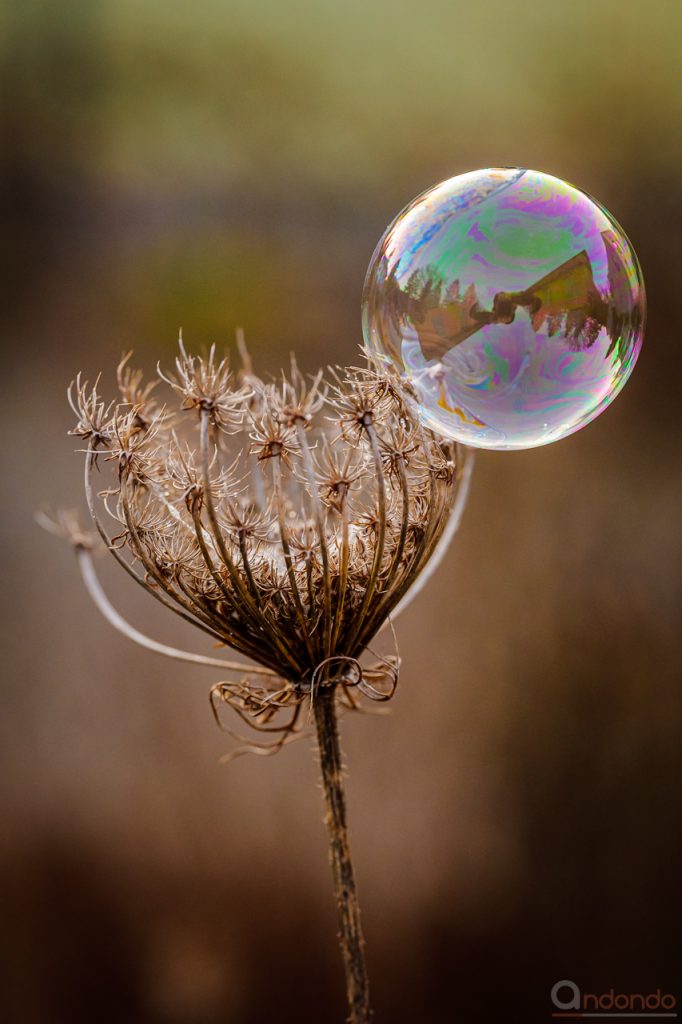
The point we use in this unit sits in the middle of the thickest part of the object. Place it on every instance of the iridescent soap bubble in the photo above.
(511, 302)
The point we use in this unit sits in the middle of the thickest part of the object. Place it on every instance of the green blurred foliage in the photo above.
(276, 140)
(341, 94)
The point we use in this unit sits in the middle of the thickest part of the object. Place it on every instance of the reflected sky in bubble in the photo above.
(511, 301)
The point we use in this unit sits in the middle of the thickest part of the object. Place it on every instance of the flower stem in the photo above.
(350, 934)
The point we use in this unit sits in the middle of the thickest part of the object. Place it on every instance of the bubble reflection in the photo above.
(511, 301)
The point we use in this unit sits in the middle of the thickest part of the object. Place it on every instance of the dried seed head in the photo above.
(65, 523)
(94, 418)
(288, 523)
(138, 395)
(340, 471)
(207, 385)
(273, 438)
(295, 400)
(247, 520)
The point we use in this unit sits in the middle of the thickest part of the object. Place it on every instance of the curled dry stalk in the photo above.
(287, 520)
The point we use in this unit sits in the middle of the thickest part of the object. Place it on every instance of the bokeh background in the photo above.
(516, 818)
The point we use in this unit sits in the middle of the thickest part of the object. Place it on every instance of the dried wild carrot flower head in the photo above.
(286, 519)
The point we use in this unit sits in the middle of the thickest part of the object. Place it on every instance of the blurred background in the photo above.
(516, 818)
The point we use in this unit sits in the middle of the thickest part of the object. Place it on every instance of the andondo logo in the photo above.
(572, 1004)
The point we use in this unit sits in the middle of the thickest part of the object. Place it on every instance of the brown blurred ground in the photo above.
(516, 819)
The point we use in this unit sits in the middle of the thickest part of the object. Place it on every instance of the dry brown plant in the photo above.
(285, 519)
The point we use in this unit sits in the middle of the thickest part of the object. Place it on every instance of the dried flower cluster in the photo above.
(286, 519)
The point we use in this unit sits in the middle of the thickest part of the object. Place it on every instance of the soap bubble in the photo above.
(510, 302)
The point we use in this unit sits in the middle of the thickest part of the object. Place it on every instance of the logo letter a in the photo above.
(574, 999)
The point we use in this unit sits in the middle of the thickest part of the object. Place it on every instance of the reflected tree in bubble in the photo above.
(512, 303)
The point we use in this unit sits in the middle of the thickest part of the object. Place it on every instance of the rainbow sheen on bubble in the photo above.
(511, 302)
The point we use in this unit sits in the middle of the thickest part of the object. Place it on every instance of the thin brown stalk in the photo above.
(350, 643)
(348, 909)
(286, 552)
(321, 531)
(343, 576)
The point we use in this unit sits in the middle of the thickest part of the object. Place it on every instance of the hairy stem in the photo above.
(350, 934)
